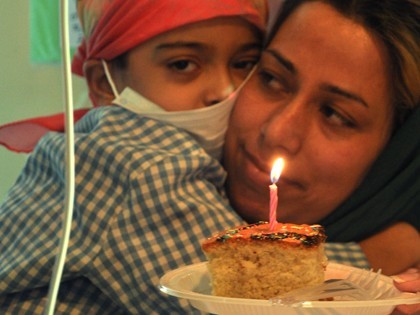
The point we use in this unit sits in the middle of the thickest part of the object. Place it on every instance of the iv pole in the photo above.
(70, 172)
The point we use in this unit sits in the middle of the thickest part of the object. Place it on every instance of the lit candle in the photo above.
(275, 175)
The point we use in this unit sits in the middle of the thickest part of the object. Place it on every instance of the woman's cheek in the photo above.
(248, 111)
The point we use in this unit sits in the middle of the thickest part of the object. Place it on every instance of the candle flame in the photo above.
(276, 170)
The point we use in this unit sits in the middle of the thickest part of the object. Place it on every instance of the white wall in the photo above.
(26, 90)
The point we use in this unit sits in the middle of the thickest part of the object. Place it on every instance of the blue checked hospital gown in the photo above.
(146, 197)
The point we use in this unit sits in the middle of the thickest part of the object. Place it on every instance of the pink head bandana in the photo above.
(113, 27)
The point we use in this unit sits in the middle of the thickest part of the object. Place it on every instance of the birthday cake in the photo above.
(256, 262)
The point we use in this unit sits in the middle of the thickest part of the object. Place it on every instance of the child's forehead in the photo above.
(204, 37)
(202, 29)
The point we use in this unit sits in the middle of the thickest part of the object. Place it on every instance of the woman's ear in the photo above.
(99, 88)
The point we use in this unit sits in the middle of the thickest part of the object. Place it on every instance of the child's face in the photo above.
(193, 66)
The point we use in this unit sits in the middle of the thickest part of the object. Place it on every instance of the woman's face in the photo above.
(321, 100)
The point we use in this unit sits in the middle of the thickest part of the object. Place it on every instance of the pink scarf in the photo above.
(113, 27)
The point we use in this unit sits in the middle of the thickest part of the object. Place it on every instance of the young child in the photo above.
(147, 193)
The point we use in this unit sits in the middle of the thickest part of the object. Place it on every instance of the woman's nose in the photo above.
(219, 86)
(287, 128)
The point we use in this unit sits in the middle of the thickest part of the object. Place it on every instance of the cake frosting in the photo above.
(304, 235)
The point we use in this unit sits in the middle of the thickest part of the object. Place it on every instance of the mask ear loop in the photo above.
(109, 78)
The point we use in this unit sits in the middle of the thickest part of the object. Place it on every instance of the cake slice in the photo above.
(253, 262)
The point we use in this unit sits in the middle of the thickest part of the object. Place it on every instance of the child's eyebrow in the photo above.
(180, 44)
(251, 46)
(202, 46)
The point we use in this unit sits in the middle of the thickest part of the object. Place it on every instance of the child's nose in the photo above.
(219, 87)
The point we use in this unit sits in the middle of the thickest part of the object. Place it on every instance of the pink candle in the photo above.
(273, 206)
(275, 175)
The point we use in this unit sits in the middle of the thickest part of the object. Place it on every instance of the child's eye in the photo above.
(266, 77)
(183, 65)
(335, 118)
(245, 64)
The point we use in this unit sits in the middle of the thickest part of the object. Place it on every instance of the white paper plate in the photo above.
(193, 283)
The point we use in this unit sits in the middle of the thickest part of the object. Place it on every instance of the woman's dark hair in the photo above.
(397, 24)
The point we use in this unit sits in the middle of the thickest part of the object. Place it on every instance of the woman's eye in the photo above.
(335, 118)
(272, 82)
(182, 65)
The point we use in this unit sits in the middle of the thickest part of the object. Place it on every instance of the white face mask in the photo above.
(207, 125)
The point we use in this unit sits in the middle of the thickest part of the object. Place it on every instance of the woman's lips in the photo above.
(254, 171)
(257, 174)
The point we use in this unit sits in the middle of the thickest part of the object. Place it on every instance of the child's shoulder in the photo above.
(115, 129)
(117, 120)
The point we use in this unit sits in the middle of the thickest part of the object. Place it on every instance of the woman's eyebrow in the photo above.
(327, 87)
(347, 94)
(286, 63)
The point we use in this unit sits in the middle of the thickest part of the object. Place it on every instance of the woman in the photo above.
(342, 108)
(91, 289)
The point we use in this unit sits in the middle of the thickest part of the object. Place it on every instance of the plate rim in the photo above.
(404, 298)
